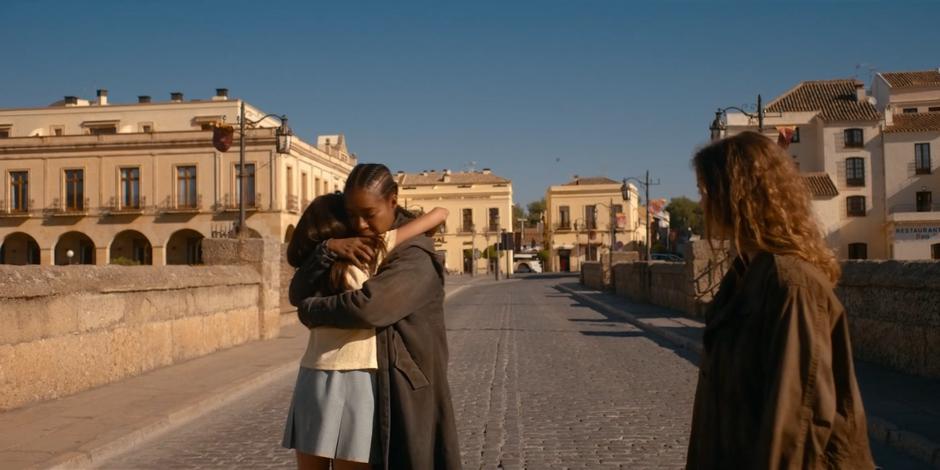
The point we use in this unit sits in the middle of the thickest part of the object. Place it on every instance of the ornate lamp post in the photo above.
(646, 183)
(222, 141)
(717, 127)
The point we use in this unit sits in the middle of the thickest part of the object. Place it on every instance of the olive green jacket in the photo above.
(777, 387)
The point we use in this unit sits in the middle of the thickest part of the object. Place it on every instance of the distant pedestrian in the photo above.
(777, 385)
(332, 414)
(403, 302)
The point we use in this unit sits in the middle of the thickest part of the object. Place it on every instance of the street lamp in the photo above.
(717, 127)
(283, 139)
(646, 183)
(624, 192)
(69, 254)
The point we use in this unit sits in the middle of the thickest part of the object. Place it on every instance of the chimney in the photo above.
(71, 101)
(221, 94)
(486, 171)
(445, 177)
(176, 97)
(102, 97)
(143, 99)
(860, 92)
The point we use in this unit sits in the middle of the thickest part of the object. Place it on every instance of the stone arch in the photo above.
(289, 233)
(184, 247)
(131, 247)
(19, 248)
(81, 246)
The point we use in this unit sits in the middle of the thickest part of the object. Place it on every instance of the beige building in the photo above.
(578, 221)
(867, 159)
(480, 205)
(142, 182)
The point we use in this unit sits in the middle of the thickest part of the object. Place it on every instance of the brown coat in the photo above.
(404, 301)
(777, 384)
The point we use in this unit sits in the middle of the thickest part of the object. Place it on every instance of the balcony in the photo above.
(913, 213)
(293, 204)
(8, 211)
(60, 209)
(466, 228)
(563, 226)
(171, 206)
(492, 228)
(229, 203)
(117, 207)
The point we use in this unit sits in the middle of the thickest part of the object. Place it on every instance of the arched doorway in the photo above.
(81, 247)
(184, 247)
(131, 247)
(19, 248)
(289, 233)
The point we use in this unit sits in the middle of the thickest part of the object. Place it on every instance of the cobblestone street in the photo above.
(539, 381)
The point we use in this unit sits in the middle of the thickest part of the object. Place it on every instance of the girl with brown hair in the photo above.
(333, 410)
(777, 385)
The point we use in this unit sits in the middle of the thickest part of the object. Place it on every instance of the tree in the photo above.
(535, 211)
(517, 215)
(685, 213)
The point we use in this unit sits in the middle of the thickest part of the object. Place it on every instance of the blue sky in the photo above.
(537, 91)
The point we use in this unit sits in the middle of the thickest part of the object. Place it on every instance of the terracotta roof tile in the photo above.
(820, 184)
(437, 177)
(914, 122)
(834, 99)
(925, 78)
(580, 181)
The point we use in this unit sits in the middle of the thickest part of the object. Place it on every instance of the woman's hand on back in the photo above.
(352, 249)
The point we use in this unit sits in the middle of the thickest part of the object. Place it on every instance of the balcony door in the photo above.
(924, 201)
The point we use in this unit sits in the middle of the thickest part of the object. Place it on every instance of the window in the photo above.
(922, 159)
(102, 130)
(924, 200)
(855, 206)
(316, 187)
(186, 186)
(304, 194)
(855, 171)
(146, 127)
(130, 187)
(935, 251)
(326, 187)
(858, 251)
(74, 190)
(467, 220)
(909, 110)
(564, 217)
(590, 217)
(19, 191)
(795, 138)
(854, 138)
(494, 219)
(249, 184)
(56, 130)
(617, 210)
(290, 181)
(934, 109)
(5, 132)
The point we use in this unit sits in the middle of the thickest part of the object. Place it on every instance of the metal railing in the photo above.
(116, 206)
(59, 208)
(466, 228)
(175, 205)
(8, 210)
(229, 202)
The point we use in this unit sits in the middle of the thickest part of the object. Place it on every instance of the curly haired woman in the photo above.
(777, 385)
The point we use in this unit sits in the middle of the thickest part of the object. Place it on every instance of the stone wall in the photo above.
(592, 275)
(64, 329)
(894, 313)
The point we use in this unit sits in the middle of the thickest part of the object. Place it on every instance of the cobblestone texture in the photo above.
(539, 382)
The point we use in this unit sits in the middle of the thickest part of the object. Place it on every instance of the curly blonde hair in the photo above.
(753, 195)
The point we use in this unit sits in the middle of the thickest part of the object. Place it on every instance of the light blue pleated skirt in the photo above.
(332, 415)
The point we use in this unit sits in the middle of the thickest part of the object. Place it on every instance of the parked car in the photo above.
(666, 257)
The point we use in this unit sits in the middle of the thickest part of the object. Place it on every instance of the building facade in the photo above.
(90, 182)
(480, 205)
(579, 218)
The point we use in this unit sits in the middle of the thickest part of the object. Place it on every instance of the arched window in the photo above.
(858, 251)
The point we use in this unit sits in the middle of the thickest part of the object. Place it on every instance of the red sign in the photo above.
(222, 137)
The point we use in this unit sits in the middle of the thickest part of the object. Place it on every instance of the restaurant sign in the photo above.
(917, 232)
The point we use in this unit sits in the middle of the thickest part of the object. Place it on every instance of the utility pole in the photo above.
(649, 241)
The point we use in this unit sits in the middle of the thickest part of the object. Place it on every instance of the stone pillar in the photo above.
(158, 255)
(47, 256)
(265, 256)
(102, 255)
